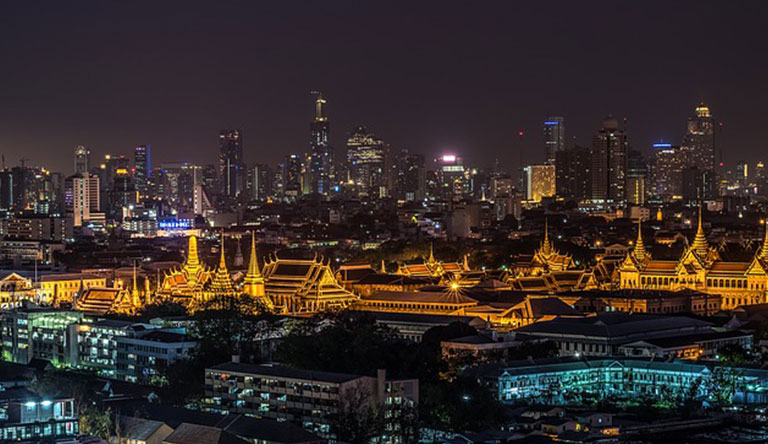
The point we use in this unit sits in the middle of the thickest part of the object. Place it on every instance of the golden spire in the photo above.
(546, 246)
(764, 249)
(135, 300)
(192, 260)
(253, 284)
(466, 262)
(639, 251)
(383, 267)
(431, 259)
(222, 282)
(700, 244)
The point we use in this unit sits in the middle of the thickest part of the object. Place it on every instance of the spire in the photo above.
(764, 249)
(466, 262)
(431, 259)
(639, 251)
(238, 262)
(700, 244)
(253, 284)
(383, 267)
(192, 259)
(222, 282)
(546, 246)
(135, 300)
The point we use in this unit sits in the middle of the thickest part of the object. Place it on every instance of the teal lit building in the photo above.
(564, 381)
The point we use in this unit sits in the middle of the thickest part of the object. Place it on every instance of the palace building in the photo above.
(433, 268)
(303, 286)
(700, 268)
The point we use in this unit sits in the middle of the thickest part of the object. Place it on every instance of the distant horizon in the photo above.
(432, 79)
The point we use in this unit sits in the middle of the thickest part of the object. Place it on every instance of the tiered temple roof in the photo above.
(432, 267)
(303, 286)
(187, 282)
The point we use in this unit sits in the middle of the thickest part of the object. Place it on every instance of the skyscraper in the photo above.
(410, 177)
(142, 167)
(573, 177)
(609, 163)
(554, 137)
(539, 182)
(699, 140)
(321, 167)
(365, 162)
(231, 167)
(82, 159)
(81, 197)
(668, 171)
(292, 169)
(637, 178)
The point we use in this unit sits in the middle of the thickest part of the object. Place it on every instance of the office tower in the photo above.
(609, 163)
(82, 159)
(637, 178)
(573, 176)
(539, 182)
(668, 171)
(450, 178)
(81, 197)
(122, 194)
(410, 177)
(761, 179)
(292, 173)
(366, 163)
(142, 168)
(6, 190)
(554, 137)
(259, 182)
(321, 167)
(698, 184)
(231, 167)
(699, 140)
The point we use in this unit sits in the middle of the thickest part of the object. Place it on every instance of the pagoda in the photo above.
(187, 283)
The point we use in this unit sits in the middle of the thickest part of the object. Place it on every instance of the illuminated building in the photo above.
(122, 194)
(556, 381)
(609, 159)
(573, 177)
(700, 268)
(699, 140)
(82, 160)
(61, 289)
(142, 168)
(221, 284)
(81, 197)
(539, 182)
(637, 175)
(321, 164)
(431, 267)
(14, 289)
(668, 171)
(296, 286)
(231, 166)
(366, 163)
(100, 301)
(27, 417)
(451, 182)
(259, 182)
(292, 176)
(305, 397)
(554, 138)
(34, 332)
(186, 284)
(547, 258)
(410, 177)
(448, 302)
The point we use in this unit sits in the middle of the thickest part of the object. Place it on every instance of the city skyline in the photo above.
(422, 97)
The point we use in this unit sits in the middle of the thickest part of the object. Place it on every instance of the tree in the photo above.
(162, 308)
(458, 406)
(358, 420)
(97, 422)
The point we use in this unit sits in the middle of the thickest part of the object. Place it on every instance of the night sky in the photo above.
(433, 77)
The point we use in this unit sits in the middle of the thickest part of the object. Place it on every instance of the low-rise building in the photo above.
(30, 332)
(25, 416)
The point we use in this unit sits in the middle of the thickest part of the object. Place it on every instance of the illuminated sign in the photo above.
(662, 145)
(175, 224)
(551, 122)
(449, 158)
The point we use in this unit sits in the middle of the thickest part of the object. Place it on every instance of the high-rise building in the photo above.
(668, 171)
(609, 163)
(292, 174)
(81, 197)
(539, 182)
(554, 137)
(637, 178)
(6, 190)
(259, 182)
(321, 163)
(699, 140)
(365, 163)
(142, 168)
(82, 159)
(231, 167)
(573, 176)
(450, 175)
(410, 177)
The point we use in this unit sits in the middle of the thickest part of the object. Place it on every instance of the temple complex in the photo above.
(699, 268)
(187, 283)
(432, 267)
